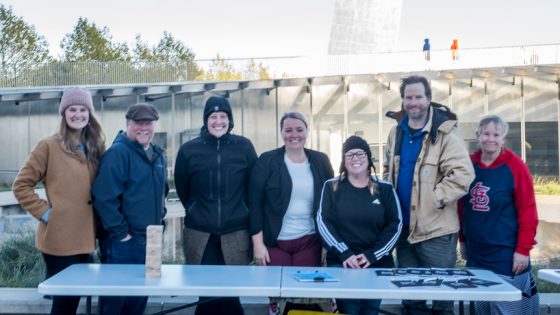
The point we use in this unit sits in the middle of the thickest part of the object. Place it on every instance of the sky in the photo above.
(266, 28)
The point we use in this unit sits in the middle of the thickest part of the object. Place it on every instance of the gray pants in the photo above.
(436, 252)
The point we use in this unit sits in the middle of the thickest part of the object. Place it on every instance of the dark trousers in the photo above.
(227, 305)
(117, 252)
(438, 252)
(55, 264)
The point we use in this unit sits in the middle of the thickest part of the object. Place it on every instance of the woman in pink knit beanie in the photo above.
(66, 164)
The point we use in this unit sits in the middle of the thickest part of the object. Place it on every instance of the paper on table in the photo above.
(317, 276)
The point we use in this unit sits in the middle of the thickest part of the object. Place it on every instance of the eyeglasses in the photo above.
(359, 154)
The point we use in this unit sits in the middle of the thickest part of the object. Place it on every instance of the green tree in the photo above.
(141, 50)
(221, 70)
(171, 51)
(89, 42)
(20, 47)
(255, 71)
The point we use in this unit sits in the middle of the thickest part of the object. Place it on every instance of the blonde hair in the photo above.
(497, 120)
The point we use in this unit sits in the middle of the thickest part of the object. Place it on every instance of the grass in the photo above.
(5, 187)
(545, 186)
(545, 286)
(21, 264)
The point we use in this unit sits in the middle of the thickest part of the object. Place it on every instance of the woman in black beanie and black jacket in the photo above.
(211, 177)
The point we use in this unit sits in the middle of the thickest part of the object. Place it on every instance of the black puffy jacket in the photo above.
(211, 177)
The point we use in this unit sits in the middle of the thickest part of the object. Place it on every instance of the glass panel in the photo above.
(541, 115)
(44, 120)
(164, 133)
(235, 99)
(259, 118)
(188, 116)
(468, 104)
(504, 100)
(113, 120)
(391, 101)
(14, 120)
(363, 115)
(542, 152)
(256, 116)
(440, 92)
(328, 118)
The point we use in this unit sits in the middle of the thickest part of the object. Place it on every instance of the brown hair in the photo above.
(372, 184)
(91, 136)
(293, 115)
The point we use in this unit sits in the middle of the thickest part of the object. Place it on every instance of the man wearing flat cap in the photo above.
(128, 195)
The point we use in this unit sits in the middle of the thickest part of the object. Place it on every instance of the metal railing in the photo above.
(81, 73)
(93, 72)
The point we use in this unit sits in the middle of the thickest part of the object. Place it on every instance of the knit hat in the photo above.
(75, 95)
(142, 111)
(355, 142)
(217, 104)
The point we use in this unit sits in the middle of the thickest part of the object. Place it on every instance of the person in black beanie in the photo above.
(211, 178)
(359, 220)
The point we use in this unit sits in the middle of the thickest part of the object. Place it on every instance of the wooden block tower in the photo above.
(154, 248)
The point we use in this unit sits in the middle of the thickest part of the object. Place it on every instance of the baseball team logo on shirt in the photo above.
(479, 198)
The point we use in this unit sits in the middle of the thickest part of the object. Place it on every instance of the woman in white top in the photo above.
(282, 208)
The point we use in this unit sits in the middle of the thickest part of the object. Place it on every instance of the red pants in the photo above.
(303, 251)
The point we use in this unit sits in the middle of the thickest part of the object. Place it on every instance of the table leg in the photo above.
(88, 305)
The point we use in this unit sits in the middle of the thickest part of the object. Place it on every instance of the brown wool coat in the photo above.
(67, 179)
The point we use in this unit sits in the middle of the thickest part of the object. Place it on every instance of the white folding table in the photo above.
(366, 284)
(550, 275)
(256, 281)
(176, 280)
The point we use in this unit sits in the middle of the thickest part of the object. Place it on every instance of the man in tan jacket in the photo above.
(428, 163)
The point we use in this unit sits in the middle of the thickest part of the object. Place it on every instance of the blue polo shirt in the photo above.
(411, 145)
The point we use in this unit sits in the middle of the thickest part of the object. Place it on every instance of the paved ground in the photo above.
(549, 208)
